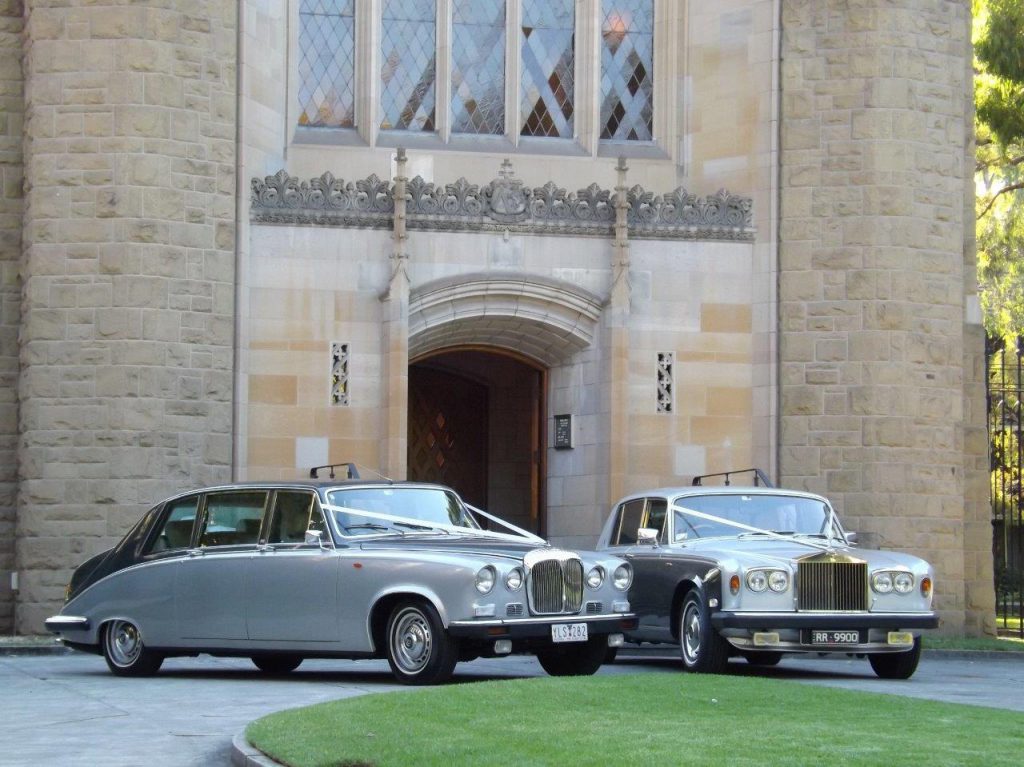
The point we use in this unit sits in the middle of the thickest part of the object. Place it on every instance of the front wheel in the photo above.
(125, 652)
(419, 649)
(277, 663)
(898, 665)
(575, 659)
(702, 649)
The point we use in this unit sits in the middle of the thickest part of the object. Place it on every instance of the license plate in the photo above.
(835, 637)
(569, 632)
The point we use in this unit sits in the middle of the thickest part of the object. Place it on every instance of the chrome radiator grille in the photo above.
(555, 583)
(831, 585)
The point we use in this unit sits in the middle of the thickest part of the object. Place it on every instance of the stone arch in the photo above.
(543, 318)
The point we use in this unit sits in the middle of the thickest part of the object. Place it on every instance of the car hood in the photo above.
(472, 544)
(782, 550)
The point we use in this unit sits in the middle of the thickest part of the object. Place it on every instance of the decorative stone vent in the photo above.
(503, 204)
(666, 382)
(339, 374)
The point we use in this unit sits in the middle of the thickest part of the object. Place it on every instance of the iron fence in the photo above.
(1006, 451)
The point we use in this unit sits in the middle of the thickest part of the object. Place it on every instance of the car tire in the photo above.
(125, 652)
(575, 661)
(899, 665)
(610, 655)
(702, 649)
(277, 663)
(419, 649)
(763, 658)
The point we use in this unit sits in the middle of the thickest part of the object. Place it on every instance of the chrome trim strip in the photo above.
(543, 621)
(67, 620)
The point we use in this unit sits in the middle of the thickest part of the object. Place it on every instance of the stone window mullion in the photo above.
(444, 69)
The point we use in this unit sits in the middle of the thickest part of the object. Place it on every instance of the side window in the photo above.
(657, 513)
(233, 518)
(176, 529)
(631, 514)
(294, 513)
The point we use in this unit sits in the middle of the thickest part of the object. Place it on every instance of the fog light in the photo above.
(615, 640)
(503, 647)
(483, 611)
(765, 638)
(901, 638)
(620, 607)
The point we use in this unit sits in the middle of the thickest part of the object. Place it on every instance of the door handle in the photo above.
(196, 552)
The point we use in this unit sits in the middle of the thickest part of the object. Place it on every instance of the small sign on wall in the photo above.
(563, 432)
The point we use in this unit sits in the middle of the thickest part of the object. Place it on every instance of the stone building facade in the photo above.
(204, 278)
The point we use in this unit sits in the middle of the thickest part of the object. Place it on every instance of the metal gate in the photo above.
(1006, 440)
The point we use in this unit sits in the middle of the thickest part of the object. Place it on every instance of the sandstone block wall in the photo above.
(128, 273)
(876, 281)
(11, 111)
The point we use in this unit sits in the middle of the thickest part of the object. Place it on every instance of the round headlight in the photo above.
(595, 577)
(757, 580)
(485, 579)
(622, 577)
(514, 579)
(903, 583)
(778, 580)
(882, 582)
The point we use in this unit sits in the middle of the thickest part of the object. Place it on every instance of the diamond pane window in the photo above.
(327, 43)
(547, 52)
(408, 72)
(478, 66)
(627, 69)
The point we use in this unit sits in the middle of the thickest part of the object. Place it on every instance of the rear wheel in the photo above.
(897, 665)
(575, 659)
(125, 652)
(418, 647)
(702, 649)
(277, 664)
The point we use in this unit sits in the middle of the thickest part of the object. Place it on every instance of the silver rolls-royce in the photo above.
(342, 569)
(759, 572)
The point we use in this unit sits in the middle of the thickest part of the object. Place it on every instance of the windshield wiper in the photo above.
(413, 526)
(372, 526)
(769, 532)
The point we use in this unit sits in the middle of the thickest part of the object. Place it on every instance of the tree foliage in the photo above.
(999, 129)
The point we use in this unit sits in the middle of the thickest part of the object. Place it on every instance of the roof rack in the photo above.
(760, 478)
(353, 472)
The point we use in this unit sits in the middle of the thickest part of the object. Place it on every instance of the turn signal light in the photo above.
(926, 587)
(734, 584)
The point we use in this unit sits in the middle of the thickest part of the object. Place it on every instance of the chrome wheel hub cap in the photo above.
(691, 634)
(124, 643)
(411, 642)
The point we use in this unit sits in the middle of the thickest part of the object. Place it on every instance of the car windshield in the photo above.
(790, 515)
(375, 510)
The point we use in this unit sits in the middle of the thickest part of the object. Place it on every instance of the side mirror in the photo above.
(851, 537)
(647, 536)
(317, 537)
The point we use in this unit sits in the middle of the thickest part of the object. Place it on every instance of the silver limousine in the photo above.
(342, 569)
(759, 572)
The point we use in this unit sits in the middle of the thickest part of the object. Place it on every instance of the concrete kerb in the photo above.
(244, 755)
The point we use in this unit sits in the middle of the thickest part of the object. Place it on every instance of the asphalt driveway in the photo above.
(68, 710)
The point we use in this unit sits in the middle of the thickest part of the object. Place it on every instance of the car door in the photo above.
(293, 585)
(647, 595)
(211, 582)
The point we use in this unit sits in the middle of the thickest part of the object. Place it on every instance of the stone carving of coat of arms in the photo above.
(507, 197)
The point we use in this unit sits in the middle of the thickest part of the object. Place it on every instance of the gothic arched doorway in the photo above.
(476, 418)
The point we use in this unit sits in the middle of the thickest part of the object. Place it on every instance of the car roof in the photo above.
(691, 490)
(306, 484)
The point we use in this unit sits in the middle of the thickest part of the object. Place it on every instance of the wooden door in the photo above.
(448, 432)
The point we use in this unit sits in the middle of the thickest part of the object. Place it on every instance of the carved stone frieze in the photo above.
(503, 204)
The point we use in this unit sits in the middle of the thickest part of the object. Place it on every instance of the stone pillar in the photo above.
(12, 107)
(876, 127)
(128, 273)
(619, 304)
(394, 457)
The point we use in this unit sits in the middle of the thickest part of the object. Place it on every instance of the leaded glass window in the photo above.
(327, 63)
(627, 70)
(478, 66)
(547, 61)
(408, 71)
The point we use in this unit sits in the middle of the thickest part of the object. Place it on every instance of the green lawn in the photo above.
(649, 719)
